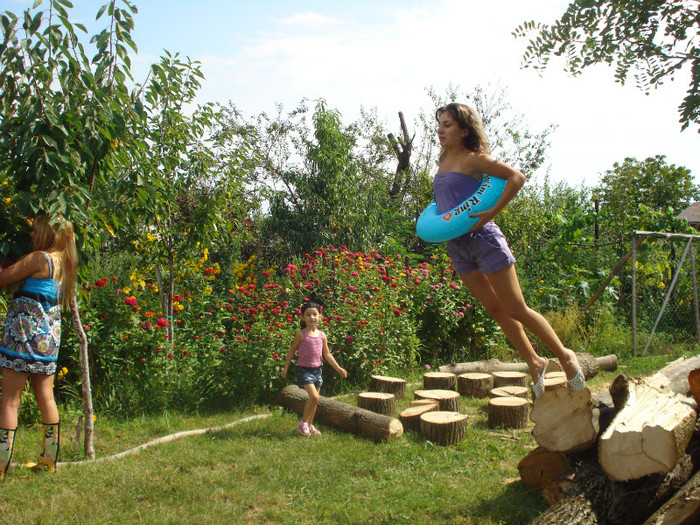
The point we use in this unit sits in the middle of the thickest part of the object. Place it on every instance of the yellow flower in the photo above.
(208, 290)
(94, 418)
(127, 290)
(8, 200)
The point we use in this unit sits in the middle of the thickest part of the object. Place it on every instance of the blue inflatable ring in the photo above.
(436, 227)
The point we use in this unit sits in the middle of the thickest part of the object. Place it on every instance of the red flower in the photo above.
(162, 322)
(349, 339)
(131, 301)
(146, 325)
(275, 356)
(101, 283)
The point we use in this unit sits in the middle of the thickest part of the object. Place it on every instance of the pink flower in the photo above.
(162, 322)
(351, 288)
(131, 301)
(349, 339)
(427, 367)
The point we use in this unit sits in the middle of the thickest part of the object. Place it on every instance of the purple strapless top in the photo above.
(452, 188)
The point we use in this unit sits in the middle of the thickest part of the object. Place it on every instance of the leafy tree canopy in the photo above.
(654, 38)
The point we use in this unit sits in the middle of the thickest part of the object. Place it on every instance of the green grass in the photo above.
(262, 471)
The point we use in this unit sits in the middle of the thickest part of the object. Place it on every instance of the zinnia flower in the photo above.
(131, 301)
(162, 322)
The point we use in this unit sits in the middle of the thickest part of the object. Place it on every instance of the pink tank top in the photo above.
(311, 351)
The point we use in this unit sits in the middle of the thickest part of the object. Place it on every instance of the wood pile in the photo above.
(628, 457)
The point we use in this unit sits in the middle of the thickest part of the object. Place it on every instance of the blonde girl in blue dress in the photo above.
(32, 335)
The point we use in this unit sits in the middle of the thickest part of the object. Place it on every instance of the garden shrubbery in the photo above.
(232, 332)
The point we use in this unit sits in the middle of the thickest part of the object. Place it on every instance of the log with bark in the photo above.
(608, 363)
(449, 400)
(343, 416)
(508, 412)
(475, 384)
(541, 467)
(510, 391)
(509, 378)
(378, 402)
(410, 417)
(565, 420)
(682, 508)
(443, 428)
(389, 385)
(439, 381)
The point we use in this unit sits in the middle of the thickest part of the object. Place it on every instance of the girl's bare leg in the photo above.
(501, 296)
(312, 403)
(12, 387)
(43, 393)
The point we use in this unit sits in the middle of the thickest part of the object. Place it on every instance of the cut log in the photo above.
(423, 402)
(389, 385)
(508, 412)
(674, 376)
(439, 381)
(474, 384)
(541, 467)
(489, 366)
(565, 420)
(552, 382)
(343, 416)
(682, 508)
(595, 498)
(443, 428)
(509, 378)
(410, 417)
(449, 400)
(379, 402)
(510, 391)
(590, 366)
(649, 435)
(694, 384)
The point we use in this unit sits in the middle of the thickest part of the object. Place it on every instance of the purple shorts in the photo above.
(485, 250)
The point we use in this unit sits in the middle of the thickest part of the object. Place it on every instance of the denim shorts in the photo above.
(485, 250)
(308, 376)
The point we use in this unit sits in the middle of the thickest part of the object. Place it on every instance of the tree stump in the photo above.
(443, 428)
(508, 412)
(509, 379)
(550, 383)
(410, 417)
(474, 384)
(510, 391)
(379, 402)
(649, 435)
(343, 416)
(389, 385)
(423, 402)
(439, 381)
(449, 400)
(565, 420)
(541, 467)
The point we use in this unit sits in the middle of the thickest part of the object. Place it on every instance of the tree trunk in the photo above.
(443, 428)
(85, 376)
(489, 366)
(565, 420)
(439, 381)
(410, 417)
(474, 384)
(343, 416)
(508, 412)
(389, 385)
(509, 378)
(378, 402)
(541, 466)
(682, 508)
(448, 400)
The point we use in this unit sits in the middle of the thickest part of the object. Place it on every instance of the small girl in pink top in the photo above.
(313, 348)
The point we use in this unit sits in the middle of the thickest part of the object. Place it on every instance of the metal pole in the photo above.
(668, 294)
(696, 308)
(634, 296)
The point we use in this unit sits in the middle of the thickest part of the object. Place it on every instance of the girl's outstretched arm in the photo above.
(292, 351)
(32, 264)
(331, 360)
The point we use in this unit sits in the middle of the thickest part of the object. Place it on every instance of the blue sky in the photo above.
(385, 54)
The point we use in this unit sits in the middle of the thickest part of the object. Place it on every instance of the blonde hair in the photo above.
(467, 118)
(58, 239)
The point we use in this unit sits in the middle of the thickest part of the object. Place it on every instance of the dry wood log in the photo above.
(565, 420)
(443, 428)
(510, 391)
(541, 467)
(590, 366)
(674, 376)
(509, 378)
(682, 508)
(649, 435)
(608, 363)
(410, 417)
(449, 400)
(343, 416)
(389, 385)
(379, 402)
(423, 402)
(596, 499)
(508, 412)
(439, 381)
(474, 384)
(550, 383)
(694, 384)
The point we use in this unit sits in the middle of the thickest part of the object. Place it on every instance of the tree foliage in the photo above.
(656, 39)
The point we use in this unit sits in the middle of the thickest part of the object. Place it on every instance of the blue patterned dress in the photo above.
(32, 333)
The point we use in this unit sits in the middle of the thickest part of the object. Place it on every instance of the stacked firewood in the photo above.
(628, 457)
